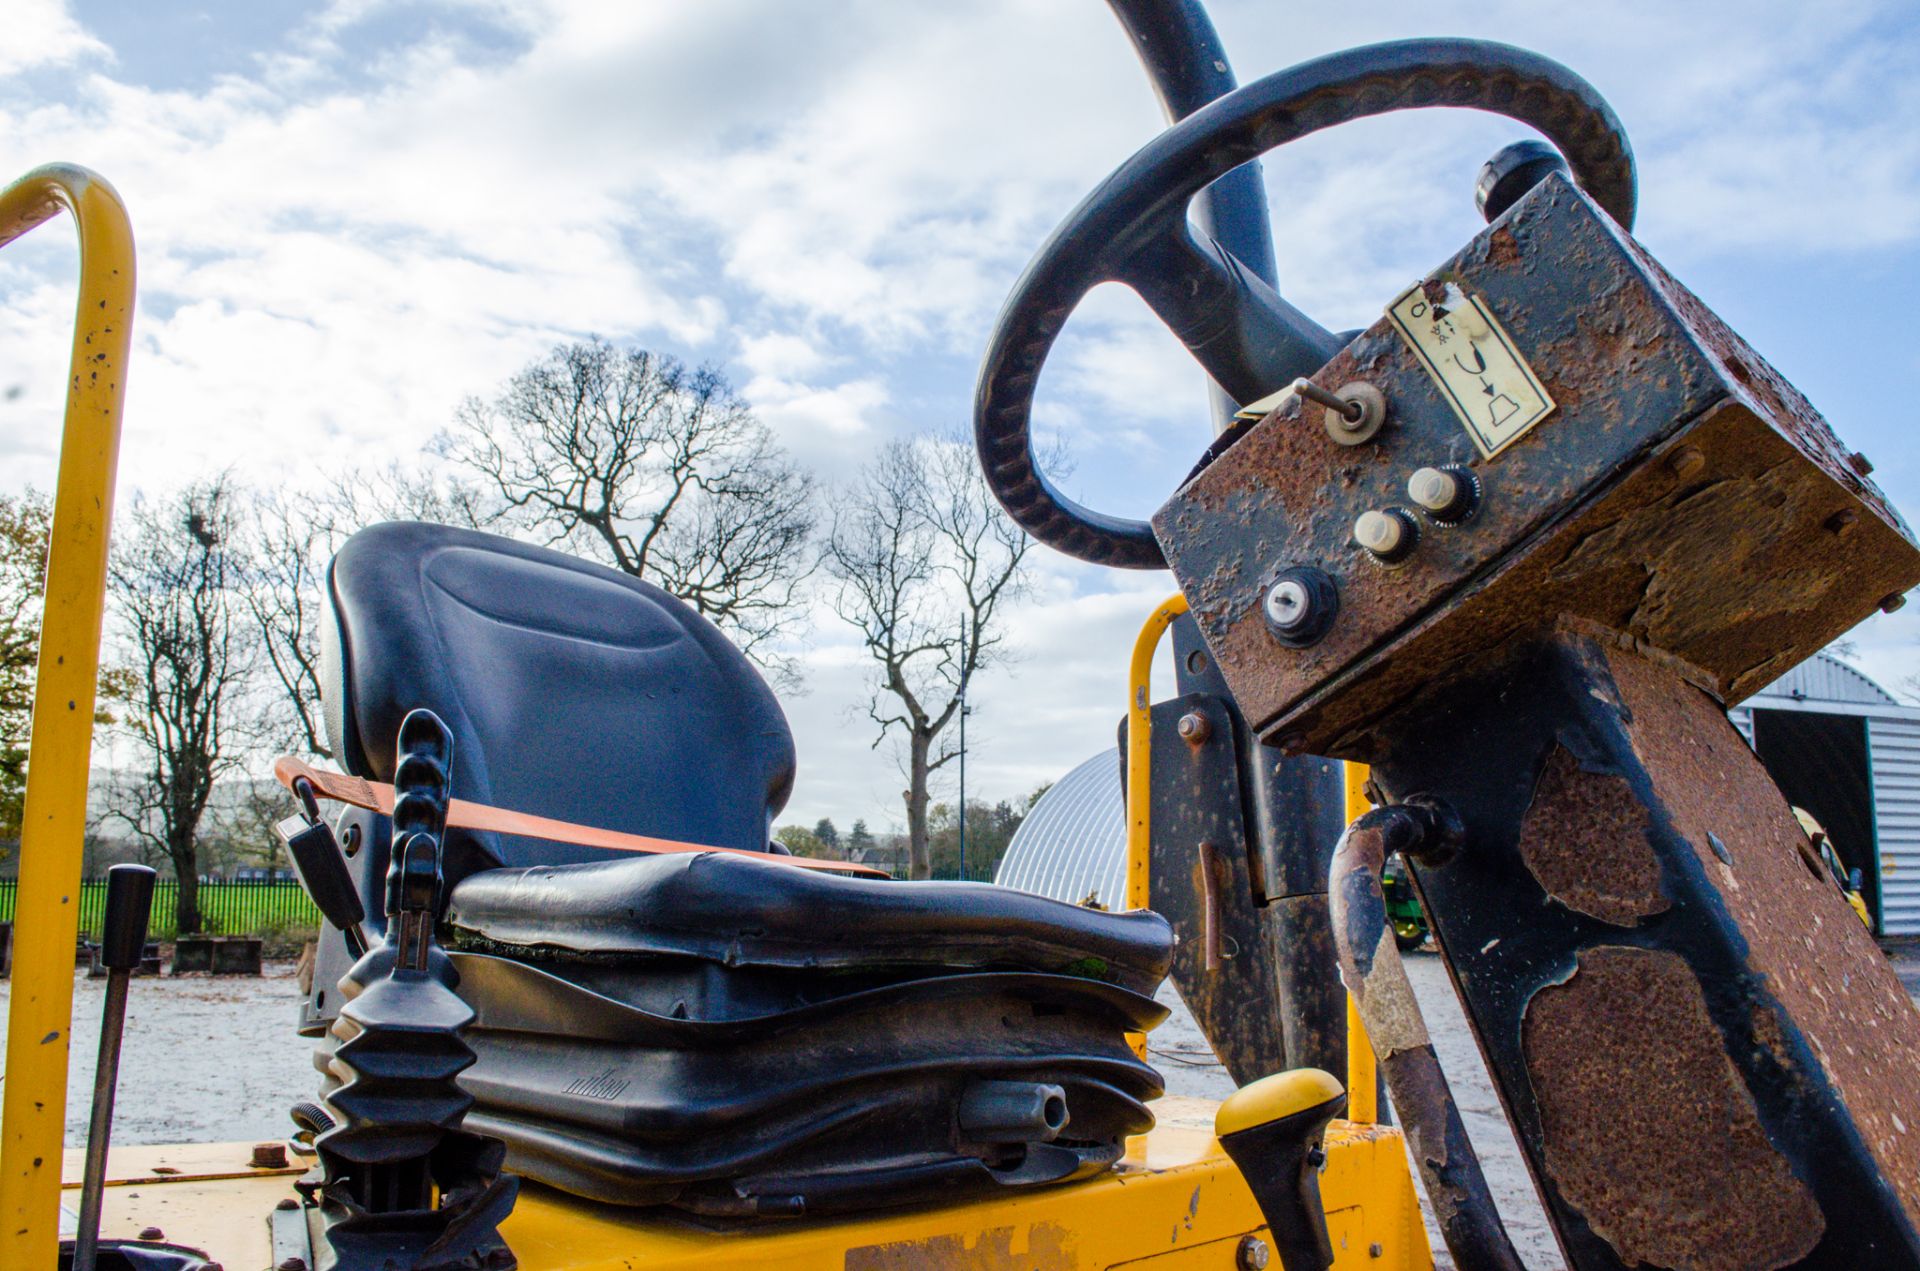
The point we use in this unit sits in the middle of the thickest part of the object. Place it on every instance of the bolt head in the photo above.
(1253, 1254)
(152, 1234)
(1686, 461)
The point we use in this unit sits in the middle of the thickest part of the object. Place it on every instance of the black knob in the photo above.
(1272, 1129)
(123, 932)
(1511, 173)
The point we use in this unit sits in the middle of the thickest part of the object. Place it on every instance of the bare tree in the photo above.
(186, 656)
(923, 560)
(25, 522)
(658, 470)
(287, 544)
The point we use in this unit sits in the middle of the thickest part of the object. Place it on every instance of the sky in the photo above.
(353, 215)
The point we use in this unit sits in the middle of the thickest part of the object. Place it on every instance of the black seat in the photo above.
(572, 690)
(728, 1034)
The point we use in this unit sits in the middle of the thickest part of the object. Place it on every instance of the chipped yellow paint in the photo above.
(1183, 1207)
(60, 750)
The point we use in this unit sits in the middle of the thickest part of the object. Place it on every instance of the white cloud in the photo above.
(43, 33)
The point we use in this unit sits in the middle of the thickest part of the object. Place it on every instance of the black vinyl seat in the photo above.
(733, 1035)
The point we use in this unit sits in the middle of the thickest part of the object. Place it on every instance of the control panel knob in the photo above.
(1389, 536)
(1448, 495)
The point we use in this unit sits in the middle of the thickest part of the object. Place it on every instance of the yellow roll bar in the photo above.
(47, 915)
(1363, 1087)
(1362, 1103)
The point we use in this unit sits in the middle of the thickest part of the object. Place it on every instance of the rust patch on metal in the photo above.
(1573, 812)
(1674, 1168)
(1049, 1247)
(1839, 1003)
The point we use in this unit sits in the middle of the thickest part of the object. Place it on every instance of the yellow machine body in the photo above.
(1177, 1203)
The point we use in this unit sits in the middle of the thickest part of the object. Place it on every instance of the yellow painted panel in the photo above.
(1179, 1211)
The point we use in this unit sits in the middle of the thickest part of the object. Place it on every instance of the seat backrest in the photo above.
(572, 691)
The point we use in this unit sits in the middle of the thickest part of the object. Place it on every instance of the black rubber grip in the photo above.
(123, 934)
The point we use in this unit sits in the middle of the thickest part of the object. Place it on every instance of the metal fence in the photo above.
(226, 909)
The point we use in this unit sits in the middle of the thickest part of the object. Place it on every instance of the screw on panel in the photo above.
(1686, 461)
(1253, 1254)
(1195, 728)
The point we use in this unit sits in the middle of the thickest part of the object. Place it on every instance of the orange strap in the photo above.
(376, 796)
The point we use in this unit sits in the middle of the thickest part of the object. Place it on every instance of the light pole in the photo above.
(963, 754)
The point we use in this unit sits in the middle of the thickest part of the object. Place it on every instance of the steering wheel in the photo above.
(1133, 229)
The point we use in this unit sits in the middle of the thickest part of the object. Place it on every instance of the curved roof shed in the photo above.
(1073, 845)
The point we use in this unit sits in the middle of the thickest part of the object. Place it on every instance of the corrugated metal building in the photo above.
(1835, 742)
(1848, 751)
(1073, 844)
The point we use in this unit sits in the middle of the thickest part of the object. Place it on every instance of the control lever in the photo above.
(322, 868)
(1272, 1129)
(123, 938)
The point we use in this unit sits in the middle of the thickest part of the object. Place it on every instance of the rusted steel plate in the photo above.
(1754, 1020)
(1199, 880)
(1674, 1170)
(1597, 512)
(1240, 840)
(1620, 886)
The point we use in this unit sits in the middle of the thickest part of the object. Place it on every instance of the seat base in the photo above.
(738, 1037)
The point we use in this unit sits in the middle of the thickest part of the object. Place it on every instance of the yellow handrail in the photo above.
(1362, 1103)
(1140, 762)
(1363, 1087)
(46, 915)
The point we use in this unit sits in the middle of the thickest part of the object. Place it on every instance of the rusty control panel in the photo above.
(1518, 546)
(1568, 435)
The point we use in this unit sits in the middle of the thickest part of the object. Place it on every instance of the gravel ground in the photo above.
(203, 1058)
(218, 1059)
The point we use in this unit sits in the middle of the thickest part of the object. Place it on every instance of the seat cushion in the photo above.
(750, 913)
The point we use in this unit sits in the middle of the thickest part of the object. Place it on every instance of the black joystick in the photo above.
(123, 938)
(1272, 1129)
